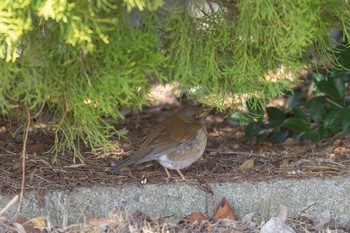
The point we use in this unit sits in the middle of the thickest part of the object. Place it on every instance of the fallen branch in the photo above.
(24, 152)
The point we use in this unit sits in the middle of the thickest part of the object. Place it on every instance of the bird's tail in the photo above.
(126, 162)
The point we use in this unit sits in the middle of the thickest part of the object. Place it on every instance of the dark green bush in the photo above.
(323, 115)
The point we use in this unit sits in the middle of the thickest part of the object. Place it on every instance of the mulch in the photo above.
(224, 160)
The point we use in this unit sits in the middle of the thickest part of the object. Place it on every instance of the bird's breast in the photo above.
(185, 153)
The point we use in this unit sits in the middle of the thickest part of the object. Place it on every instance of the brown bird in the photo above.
(175, 143)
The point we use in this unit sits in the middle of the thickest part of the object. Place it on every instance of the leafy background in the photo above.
(83, 62)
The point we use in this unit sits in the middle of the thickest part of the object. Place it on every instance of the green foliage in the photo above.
(231, 51)
(79, 77)
(324, 115)
(85, 60)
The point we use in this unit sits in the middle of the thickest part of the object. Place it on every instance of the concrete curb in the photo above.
(314, 198)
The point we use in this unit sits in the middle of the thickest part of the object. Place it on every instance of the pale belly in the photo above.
(181, 158)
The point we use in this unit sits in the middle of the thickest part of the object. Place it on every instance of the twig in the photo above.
(83, 67)
(306, 209)
(14, 199)
(233, 152)
(10, 152)
(334, 103)
(24, 152)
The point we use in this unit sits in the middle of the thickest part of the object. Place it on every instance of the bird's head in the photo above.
(194, 111)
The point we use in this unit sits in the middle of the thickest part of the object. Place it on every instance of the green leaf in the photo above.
(314, 135)
(299, 113)
(344, 56)
(275, 115)
(340, 85)
(346, 120)
(317, 109)
(333, 119)
(328, 87)
(295, 100)
(252, 129)
(317, 77)
(297, 124)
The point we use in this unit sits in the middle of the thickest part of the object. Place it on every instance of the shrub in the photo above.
(87, 59)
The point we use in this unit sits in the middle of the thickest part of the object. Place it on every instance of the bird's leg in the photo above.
(180, 173)
(167, 172)
(183, 178)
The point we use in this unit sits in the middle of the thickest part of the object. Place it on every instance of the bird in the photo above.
(176, 143)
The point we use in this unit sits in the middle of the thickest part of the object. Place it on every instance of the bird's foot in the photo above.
(189, 181)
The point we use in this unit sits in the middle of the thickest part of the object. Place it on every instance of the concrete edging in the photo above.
(314, 198)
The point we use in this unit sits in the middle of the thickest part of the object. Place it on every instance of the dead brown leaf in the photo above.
(224, 210)
(37, 147)
(21, 220)
(247, 165)
(197, 217)
(337, 143)
(38, 223)
(341, 149)
(102, 222)
(32, 225)
(290, 142)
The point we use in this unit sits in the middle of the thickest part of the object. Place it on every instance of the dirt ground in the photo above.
(229, 156)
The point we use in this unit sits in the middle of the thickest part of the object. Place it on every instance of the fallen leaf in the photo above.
(324, 169)
(38, 223)
(337, 143)
(247, 165)
(224, 210)
(37, 147)
(102, 223)
(197, 217)
(341, 149)
(32, 225)
(21, 220)
(210, 226)
(290, 142)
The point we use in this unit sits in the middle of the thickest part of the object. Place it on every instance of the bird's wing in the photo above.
(167, 141)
